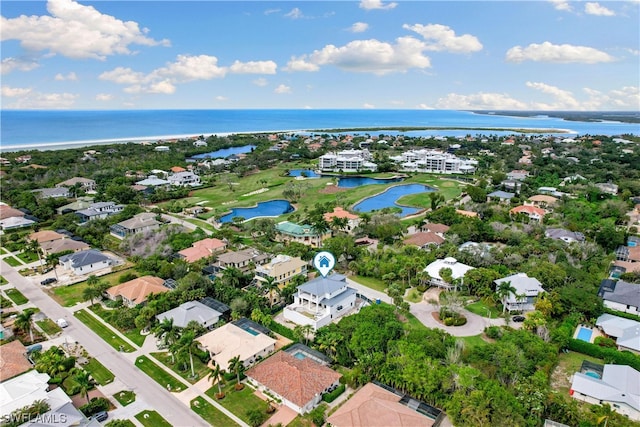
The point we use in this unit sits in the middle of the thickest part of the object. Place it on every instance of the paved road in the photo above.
(167, 405)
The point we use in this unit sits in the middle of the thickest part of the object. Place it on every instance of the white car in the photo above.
(62, 323)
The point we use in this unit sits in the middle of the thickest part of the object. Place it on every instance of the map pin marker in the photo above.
(324, 262)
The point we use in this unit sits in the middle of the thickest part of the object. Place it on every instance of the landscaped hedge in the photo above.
(96, 405)
(610, 355)
(282, 330)
(622, 314)
(333, 395)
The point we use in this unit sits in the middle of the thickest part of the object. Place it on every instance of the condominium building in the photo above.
(434, 161)
(347, 161)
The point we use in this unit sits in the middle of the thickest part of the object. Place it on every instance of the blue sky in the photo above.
(521, 55)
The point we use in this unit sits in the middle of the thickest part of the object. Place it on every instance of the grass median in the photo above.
(103, 331)
(210, 413)
(159, 375)
(152, 419)
(16, 296)
(49, 327)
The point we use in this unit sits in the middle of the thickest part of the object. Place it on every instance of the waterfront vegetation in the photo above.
(16, 296)
(159, 375)
(151, 419)
(210, 413)
(103, 331)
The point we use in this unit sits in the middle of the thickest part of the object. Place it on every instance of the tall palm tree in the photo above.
(51, 260)
(91, 292)
(216, 375)
(503, 291)
(84, 382)
(237, 366)
(23, 322)
(34, 246)
(168, 333)
(271, 286)
(232, 277)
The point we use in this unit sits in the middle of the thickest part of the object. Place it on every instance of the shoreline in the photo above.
(159, 139)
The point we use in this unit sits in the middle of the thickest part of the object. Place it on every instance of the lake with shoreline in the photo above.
(389, 198)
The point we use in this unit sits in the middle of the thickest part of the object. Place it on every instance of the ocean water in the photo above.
(35, 129)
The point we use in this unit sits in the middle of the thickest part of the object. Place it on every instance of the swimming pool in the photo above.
(300, 355)
(592, 374)
(584, 334)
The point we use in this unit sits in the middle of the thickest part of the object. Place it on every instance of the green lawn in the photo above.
(102, 375)
(152, 419)
(3, 281)
(210, 413)
(107, 315)
(568, 364)
(370, 282)
(158, 374)
(412, 323)
(238, 402)
(125, 397)
(5, 302)
(16, 296)
(12, 261)
(201, 370)
(414, 295)
(28, 257)
(122, 423)
(473, 341)
(69, 295)
(103, 331)
(49, 326)
(480, 308)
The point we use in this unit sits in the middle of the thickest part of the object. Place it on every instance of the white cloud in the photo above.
(121, 75)
(563, 99)
(270, 11)
(10, 64)
(376, 4)
(282, 89)
(359, 27)
(254, 67)
(480, 101)
(369, 56)
(368, 106)
(441, 37)
(561, 5)
(261, 81)
(627, 97)
(564, 53)
(76, 31)
(12, 92)
(38, 100)
(295, 13)
(221, 98)
(423, 107)
(71, 76)
(187, 68)
(595, 8)
(104, 97)
(164, 86)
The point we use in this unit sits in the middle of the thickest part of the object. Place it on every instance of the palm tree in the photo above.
(91, 292)
(23, 322)
(232, 277)
(302, 332)
(503, 291)
(84, 382)
(271, 286)
(216, 375)
(168, 333)
(237, 366)
(188, 343)
(51, 260)
(34, 246)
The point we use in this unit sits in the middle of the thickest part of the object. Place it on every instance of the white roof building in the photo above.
(25, 389)
(526, 291)
(191, 311)
(458, 270)
(625, 331)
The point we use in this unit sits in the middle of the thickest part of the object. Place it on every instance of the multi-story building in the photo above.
(282, 268)
(305, 234)
(347, 161)
(434, 161)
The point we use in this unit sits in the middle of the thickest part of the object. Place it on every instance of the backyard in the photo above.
(151, 419)
(159, 375)
(16, 296)
(99, 373)
(103, 331)
(210, 413)
(484, 310)
(568, 364)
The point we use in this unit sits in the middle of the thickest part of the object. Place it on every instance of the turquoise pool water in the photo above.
(389, 197)
(269, 208)
(251, 331)
(300, 355)
(584, 334)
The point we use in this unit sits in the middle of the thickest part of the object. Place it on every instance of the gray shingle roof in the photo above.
(83, 258)
(623, 293)
(324, 285)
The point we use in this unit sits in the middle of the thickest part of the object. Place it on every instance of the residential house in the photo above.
(45, 236)
(52, 193)
(526, 292)
(243, 260)
(564, 235)
(620, 295)
(184, 179)
(458, 270)
(220, 307)
(532, 212)
(518, 175)
(191, 311)
(282, 268)
(7, 211)
(625, 332)
(142, 222)
(86, 184)
(434, 227)
(99, 210)
(153, 181)
(15, 222)
(542, 201)
(162, 148)
(619, 387)
(501, 196)
(200, 143)
(353, 220)
(177, 169)
(13, 360)
(202, 249)
(305, 234)
(320, 301)
(512, 184)
(85, 262)
(628, 253)
(136, 291)
(424, 240)
(299, 383)
(608, 188)
(375, 406)
(231, 340)
(63, 245)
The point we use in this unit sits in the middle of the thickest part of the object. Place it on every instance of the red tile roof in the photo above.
(339, 212)
(296, 380)
(202, 249)
(13, 361)
(436, 228)
(176, 169)
(137, 290)
(529, 210)
(423, 238)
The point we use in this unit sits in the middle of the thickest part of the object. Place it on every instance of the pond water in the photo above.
(269, 208)
(307, 173)
(357, 181)
(388, 198)
(225, 152)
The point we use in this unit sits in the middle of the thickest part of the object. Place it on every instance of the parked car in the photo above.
(100, 416)
(49, 281)
(62, 323)
(518, 318)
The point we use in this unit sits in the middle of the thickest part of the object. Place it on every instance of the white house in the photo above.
(142, 222)
(320, 301)
(619, 387)
(626, 332)
(527, 290)
(620, 295)
(99, 210)
(85, 262)
(458, 270)
(191, 311)
(184, 179)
